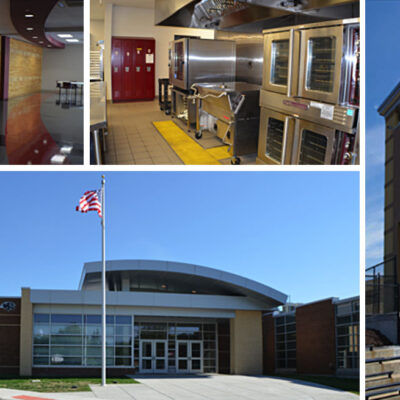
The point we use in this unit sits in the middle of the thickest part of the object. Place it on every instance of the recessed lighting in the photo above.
(35, 37)
(29, 28)
(41, 42)
(72, 40)
(65, 35)
(49, 45)
(29, 15)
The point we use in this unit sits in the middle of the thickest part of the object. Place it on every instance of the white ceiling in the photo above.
(97, 6)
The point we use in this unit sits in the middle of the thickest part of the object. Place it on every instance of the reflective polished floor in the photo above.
(41, 129)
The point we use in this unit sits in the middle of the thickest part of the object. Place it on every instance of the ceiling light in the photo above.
(72, 40)
(35, 37)
(58, 159)
(29, 29)
(194, 291)
(29, 15)
(65, 35)
(164, 286)
(41, 42)
(49, 45)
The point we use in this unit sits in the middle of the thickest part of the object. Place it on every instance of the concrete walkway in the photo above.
(205, 387)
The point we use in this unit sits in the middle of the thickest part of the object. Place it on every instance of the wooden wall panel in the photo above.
(25, 72)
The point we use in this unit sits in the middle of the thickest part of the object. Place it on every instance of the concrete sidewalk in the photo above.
(202, 387)
(12, 394)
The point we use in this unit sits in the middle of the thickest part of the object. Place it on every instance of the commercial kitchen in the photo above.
(216, 82)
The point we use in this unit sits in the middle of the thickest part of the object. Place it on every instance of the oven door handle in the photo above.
(284, 141)
(290, 66)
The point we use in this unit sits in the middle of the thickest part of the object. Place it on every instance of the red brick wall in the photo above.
(396, 198)
(81, 372)
(10, 322)
(268, 345)
(315, 334)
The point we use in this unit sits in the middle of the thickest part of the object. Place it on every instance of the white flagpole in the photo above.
(103, 339)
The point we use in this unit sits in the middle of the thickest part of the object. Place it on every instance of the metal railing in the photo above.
(382, 288)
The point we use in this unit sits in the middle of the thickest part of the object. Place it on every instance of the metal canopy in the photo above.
(174, 277)
(250, 15)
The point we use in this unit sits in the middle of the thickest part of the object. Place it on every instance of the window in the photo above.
(285, 341)
(75, 340)
(347, 334)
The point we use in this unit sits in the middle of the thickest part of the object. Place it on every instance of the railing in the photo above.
(382, 288)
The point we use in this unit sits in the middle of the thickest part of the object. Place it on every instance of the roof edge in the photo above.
(390, 99)
(273, 293)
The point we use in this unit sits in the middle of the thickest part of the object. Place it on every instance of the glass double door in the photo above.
(189, 356)
(153, 356)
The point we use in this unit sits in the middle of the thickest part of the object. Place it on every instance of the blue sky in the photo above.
(297, 232)
(382, 75)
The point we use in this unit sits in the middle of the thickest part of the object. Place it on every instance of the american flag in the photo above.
(90, 201)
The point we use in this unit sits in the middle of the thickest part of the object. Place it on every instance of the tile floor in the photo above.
(133, 139)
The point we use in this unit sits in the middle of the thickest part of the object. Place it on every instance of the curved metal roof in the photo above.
(224, 283)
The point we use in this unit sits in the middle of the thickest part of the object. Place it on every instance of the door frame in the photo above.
(189, 369)
(153, 356)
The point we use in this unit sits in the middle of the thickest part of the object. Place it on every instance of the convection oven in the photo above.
(317, 61)
(311, 78)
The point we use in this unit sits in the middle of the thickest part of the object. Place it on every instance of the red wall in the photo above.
(268, 345)
(315, 335)
(10, 324)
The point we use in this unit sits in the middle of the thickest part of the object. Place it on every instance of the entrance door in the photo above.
(189, 357)
(153, 356)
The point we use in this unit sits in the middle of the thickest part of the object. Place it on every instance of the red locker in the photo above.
(133, 69)
(116, 66)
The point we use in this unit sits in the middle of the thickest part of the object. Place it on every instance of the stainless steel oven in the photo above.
(310, 78)
(288, 139)
(316, 61)
(201, 60)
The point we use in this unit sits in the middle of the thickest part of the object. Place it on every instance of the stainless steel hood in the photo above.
(250, 15)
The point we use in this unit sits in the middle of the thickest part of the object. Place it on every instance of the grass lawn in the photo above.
(57, 384)
(347, 384)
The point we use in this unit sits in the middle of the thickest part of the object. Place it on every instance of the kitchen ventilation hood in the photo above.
(250, 15)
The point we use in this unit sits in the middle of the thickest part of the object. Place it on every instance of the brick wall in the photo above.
(268, 345)
(81, 372)
(25, 69)
(10, 322)
(315, 334)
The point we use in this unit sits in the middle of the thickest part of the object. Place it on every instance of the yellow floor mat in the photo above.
(219, 152)
(190, 152)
